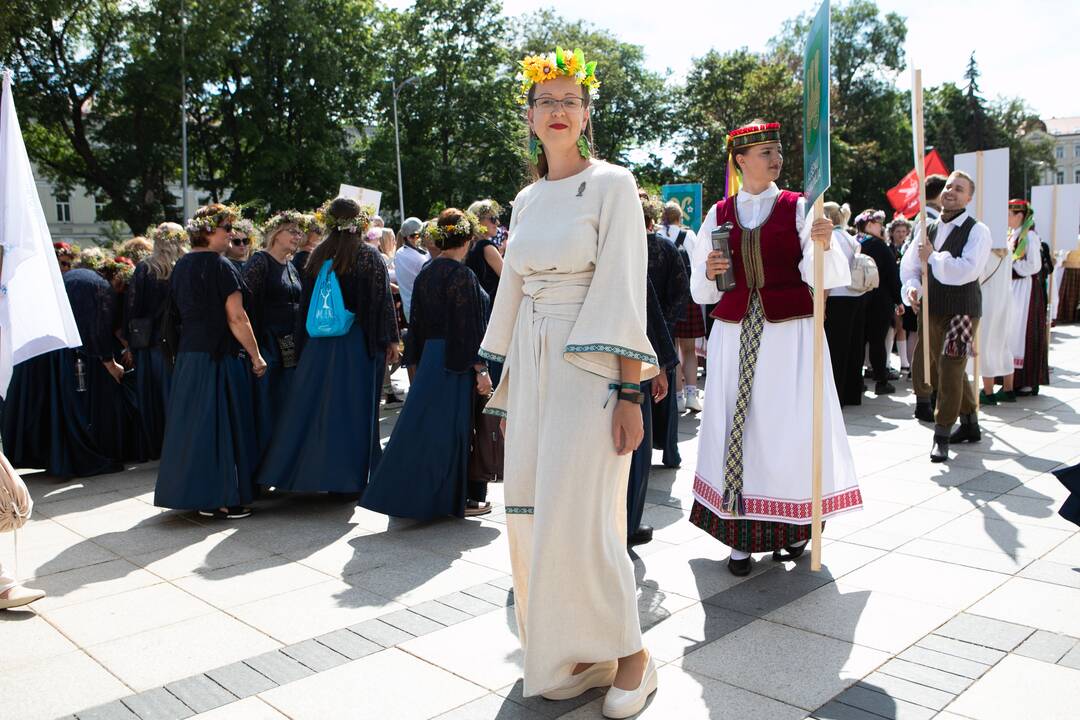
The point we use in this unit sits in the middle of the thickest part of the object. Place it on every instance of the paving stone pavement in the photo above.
(953, 594)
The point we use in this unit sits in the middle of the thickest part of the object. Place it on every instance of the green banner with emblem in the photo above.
(688, 195)
(817, 174)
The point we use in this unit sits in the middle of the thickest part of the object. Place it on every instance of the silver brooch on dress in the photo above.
(580, 189)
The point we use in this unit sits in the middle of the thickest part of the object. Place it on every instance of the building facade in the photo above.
(1065, 133)
(74, 216)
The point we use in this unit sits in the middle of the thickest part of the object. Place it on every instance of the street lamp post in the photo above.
(183, 112)
(397, 143)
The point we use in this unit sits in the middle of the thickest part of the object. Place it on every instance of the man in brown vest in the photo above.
(956, 251)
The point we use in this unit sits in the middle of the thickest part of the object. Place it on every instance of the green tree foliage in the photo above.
(726, 91)
(101, 114)
(461, 130)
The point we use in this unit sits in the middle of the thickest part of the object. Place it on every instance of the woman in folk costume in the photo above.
(147, 300)
(747, 494)
(448, 322)
(326, 438)
(1068, 297)
(208, 456)
(273, 304)
(1028, 335)
(996, 327)
(569, 322)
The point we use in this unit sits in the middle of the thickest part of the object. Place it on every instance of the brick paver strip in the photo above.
(979, 630)
(379, 632)
(768, 591)
(1046, 646)
(467, 603)
(492, 594)
(943, 661)
(923, 675)
(158, 704)
(349, 644)
(315, 655)
(961, 649)
(440, 613)
(241, 680)
(836, 710)
(410, 622)
(115, 710)
(898, 688)
(1071, 659)
(279, 667)
(200, 693)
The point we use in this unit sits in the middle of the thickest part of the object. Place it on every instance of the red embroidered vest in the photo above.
(766, 260)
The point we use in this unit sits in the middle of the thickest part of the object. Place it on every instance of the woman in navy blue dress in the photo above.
(424, 471)
(272, 303)
(209, 453)
(326, 438)
(147, 298)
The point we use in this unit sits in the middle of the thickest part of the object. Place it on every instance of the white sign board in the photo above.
(991, 190)
(1068, 214)
(361, 195)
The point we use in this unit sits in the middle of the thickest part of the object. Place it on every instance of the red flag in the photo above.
(905, 196)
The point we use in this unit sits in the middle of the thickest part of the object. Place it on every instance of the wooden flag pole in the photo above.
(976, 381)
(1053, 258)
(920, 167)
(819, 393)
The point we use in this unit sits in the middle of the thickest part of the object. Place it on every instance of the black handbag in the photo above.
(487, 449)
(139, 333)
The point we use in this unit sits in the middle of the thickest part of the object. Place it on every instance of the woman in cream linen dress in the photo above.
(571, 302)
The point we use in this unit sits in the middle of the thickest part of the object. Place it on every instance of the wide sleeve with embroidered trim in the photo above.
(612, 322)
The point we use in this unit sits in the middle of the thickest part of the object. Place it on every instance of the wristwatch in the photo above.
(637, 398)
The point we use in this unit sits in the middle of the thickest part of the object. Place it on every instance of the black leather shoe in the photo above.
(924, 410)
(884, 388)
(939, 451)
(968, 430)
(641, 536)
(739, 568)
(790, 552)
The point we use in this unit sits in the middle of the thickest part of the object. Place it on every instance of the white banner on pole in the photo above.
(361, 195)
(35, 315)
(1068, 215)
(993, 188)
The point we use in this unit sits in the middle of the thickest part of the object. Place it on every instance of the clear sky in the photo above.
(1025, 48)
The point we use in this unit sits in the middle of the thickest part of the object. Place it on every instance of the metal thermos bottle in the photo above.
(80, 375)
(720, 237)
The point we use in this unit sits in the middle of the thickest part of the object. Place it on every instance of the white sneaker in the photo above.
(693, 399)
(627, 703)
(680, 401)
(600, 674)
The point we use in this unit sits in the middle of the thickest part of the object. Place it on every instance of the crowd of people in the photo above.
(557, 353)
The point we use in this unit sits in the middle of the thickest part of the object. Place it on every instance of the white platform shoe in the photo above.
(627, 703)
(600, 674)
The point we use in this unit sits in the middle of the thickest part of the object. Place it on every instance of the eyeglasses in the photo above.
(548, 104)
(241, 241)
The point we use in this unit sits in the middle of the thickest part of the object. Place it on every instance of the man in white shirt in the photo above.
(956, 250)
(408, 261)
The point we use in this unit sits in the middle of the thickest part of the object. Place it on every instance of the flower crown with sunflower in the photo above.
(467, 227)
(536, 69)
(357, 224)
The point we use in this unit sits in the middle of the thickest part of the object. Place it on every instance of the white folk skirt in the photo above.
(995, 327)
(778, 434)
(1021, 301)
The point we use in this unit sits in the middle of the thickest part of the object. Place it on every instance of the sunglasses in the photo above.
(241, 241)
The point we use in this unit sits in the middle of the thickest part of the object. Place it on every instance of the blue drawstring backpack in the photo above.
(327, 315)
